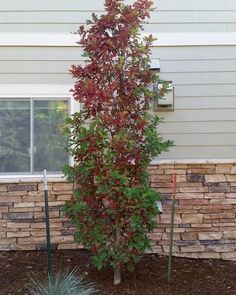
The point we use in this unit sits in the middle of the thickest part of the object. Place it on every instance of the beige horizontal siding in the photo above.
(203, 124)
(197, 53)
(202, 115)
(68, 15)
(203, 139)
(212, 127)
(200, 152)
(98, 5)
(40, 53)
(32, 5)
(36, 78)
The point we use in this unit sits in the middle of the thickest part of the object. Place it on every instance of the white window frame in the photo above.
(39, 91)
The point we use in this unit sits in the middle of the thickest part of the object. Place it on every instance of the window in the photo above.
(30, 135)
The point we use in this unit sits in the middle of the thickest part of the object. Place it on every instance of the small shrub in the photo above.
(68, 283)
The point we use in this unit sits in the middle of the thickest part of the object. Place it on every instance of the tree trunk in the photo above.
(117, 269)
(117, 275)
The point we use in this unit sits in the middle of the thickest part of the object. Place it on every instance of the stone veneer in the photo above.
(205, 215)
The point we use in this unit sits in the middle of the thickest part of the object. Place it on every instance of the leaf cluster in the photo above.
(114, 137)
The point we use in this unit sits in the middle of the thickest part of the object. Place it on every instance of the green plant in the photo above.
(68, 283)
(114, 138)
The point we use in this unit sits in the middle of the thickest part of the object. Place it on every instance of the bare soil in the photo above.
(149, 278)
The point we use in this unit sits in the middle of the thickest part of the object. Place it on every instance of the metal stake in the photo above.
(47, 224)
(171, 231)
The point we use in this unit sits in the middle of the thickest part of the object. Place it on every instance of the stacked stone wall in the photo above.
(205, 212)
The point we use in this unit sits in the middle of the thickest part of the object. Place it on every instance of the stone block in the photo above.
(230, 235)
(20, 187)
(233, 189)
(72, 231)
(62, 186)
(187, 255)
(166, 236)
(231, 177)
(220, 248)
(215, 196)
(22, 247)
(176, 171)
(224, 226)
(166, 166)
(233, 170)
(67, 224)
(25, 209)
(161, 178)
(3, 188)
(189, 184)
(209, 255)
(176, 230)
(9, 199)
(212, 216)
(64, 197)
(215, 178)
(34, 198)
(226, 201)
(189, 195)
(41, 215)
(192, 218)
(42, 232)
(229, 256)
(5, 247)
(193, 202)
(62, 239)
(193, 189)
(18, 234)
(41, 187)
(3, 209)
(215, 187)
(50, 204)
(189, 236)
(31, 240)
(17, 225)
(187, 243)
(166, 218)
(164, 190)
(24, 205)
(7, 241)
(181, 178)
(181, 166)
(3, 223)
(18, 216)
(223, 169)
(197, 248)
(210, 235)
(166, 248)
(195, 177)
(231, 195)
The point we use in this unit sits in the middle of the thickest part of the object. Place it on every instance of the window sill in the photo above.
(31, 178)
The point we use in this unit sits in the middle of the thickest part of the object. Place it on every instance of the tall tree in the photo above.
(114, 137)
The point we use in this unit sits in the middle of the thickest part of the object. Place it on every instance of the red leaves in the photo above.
(109, 136)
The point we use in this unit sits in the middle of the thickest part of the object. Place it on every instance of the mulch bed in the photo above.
(149, 278)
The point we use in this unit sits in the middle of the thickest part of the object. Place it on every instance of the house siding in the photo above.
(202, 123)
(67, 15)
